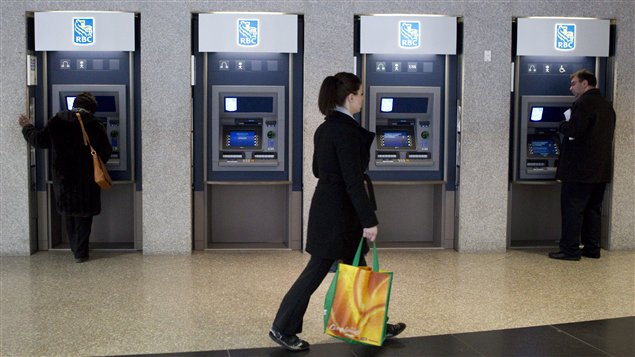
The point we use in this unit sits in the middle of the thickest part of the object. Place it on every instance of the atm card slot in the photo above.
(418, 155)
(265, 156)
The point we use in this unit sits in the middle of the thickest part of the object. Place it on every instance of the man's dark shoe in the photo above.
(290, 342)
(589, 254)
(81, 260)
(562, 256)
(393, 330)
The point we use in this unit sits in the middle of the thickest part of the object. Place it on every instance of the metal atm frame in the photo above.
(420, 124)
(269, 151)
(539, 165)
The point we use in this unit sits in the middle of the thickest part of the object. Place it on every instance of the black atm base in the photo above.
(528, 244)
(98, 246)
(247, 246)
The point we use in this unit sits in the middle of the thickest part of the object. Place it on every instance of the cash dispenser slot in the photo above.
(265, 156)
(418, 155)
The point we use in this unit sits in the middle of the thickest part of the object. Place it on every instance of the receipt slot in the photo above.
(412, 95)
(247, 162)
(108, 69)
(542, 69)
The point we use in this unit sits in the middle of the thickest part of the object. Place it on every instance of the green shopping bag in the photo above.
(356, 304)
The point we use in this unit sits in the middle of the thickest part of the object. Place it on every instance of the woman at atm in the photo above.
(77, 196)
(341, 209)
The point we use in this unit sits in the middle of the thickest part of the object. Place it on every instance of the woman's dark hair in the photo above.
(86, 101)
(335, 89)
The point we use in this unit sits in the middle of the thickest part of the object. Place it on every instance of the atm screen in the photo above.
(403, 105)
(547, 114)
(248, 104)
(242, 139)
(396, 139)
(105, 103)
(543, 147)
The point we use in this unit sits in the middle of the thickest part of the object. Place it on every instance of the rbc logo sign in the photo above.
(565, 37)
(248, 33)
(83, 30)
(409, 34)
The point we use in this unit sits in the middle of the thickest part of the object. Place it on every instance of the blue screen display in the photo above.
(242, 138)
(543, 147)
(396, 139)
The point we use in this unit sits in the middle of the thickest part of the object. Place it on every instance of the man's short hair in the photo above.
(585, 75)
(86, 101)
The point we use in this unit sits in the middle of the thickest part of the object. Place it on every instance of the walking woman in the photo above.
(341, 209)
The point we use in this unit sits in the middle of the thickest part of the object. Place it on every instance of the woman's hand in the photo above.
(24, 120)
(370, 233)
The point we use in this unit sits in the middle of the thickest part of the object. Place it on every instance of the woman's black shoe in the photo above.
(393, 330)
(290, 342)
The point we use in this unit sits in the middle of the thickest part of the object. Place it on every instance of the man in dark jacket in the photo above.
(585, 167)
(77, 196)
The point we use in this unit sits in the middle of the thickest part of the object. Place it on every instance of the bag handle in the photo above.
(81, 123)
(86, 141)
(358, 255)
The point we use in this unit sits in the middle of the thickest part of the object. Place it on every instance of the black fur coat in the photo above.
(76, 193)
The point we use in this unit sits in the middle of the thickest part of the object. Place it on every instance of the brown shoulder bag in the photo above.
(102, 178)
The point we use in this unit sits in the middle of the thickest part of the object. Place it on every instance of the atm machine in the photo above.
(548, 51)
(100, 57)
(410, 70)
(247, 169)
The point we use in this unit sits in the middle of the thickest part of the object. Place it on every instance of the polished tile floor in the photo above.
(125, 303)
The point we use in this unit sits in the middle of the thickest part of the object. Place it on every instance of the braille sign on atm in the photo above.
(409, 34)
(565, 37)
(248, 33)
(83, 30)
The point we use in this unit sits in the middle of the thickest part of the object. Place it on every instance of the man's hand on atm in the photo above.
(24, 120)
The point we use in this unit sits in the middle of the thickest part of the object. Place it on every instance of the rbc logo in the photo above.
(248, 33)
(409, 34)
(565, 37)
(83, 30)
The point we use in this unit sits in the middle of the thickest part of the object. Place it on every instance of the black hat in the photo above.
(86, 101)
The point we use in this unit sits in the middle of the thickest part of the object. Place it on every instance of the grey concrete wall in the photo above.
(166, 107)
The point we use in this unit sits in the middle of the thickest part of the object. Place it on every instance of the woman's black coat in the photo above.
(340, 207)
(76, 193)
